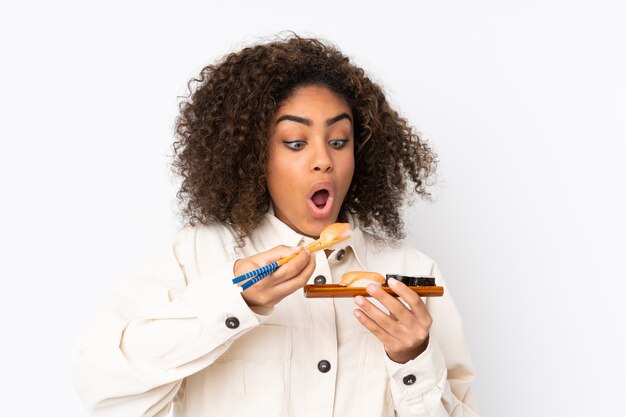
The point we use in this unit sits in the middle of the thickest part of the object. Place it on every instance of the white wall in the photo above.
(525, 103)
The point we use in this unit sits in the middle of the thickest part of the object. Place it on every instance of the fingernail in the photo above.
(359, 300)
(392, 282)
(371, 288)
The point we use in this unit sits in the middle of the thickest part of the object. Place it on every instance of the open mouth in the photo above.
(321, 199)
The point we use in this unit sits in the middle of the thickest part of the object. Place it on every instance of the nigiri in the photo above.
(361, 279)
(334, 231)
(331, 233)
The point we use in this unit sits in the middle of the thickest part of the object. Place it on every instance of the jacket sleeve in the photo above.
(160, 327)
(436, 383)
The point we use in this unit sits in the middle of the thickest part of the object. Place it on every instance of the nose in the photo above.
(321, 161)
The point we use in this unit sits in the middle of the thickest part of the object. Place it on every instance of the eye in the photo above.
(295, 145)
(338, 143)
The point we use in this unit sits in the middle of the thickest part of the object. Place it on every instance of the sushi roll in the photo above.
(412, 281)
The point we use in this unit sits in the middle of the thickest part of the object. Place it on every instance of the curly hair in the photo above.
(221, 146)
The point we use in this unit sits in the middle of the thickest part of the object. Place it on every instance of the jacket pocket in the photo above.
(253, 376)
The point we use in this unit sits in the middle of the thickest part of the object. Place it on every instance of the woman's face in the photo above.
(311, 159)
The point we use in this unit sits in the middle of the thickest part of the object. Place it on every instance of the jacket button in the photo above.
(232, 322)
(320, 279)
(409, 379)
(340, 254)
(323, 366)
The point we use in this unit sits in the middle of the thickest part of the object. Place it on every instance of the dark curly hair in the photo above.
(221, 146)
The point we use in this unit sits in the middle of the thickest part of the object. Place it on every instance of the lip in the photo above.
(328, 208)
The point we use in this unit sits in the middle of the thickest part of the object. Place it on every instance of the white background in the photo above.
(525, 103)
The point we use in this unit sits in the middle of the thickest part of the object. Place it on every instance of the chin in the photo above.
(308, 230)
(306, 224)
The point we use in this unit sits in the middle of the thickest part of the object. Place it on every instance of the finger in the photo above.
(374, 328)
(308, 270)
(292, 268)
(395, 307)
(289, 285)
(380, 317)
(409, 296)
(277, 253)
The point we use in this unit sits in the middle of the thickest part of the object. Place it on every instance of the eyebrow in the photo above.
(307, 122)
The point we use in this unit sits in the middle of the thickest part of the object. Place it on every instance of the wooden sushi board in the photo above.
(335, 290)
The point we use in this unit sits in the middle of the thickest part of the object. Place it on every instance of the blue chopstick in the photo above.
(271, 267)
(257, 279)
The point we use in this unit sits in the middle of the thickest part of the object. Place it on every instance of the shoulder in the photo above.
(214, 240)
(212, 231)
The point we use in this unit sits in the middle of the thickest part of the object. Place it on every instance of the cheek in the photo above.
(275, 166)
(281, 178)
(347, 170)
(281, 170)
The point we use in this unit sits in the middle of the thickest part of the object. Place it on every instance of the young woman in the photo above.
(275, 143)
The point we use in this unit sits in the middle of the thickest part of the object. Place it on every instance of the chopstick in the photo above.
(313, 248)
(346, 227)
(270, 267)
(258, 274)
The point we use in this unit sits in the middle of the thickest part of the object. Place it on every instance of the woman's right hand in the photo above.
(284, 281)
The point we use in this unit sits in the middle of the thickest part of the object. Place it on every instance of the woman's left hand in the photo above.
(404, 331)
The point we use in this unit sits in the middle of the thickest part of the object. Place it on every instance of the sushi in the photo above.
(411, 281)
(361, 279)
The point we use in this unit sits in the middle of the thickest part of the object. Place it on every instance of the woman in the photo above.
(276, 142)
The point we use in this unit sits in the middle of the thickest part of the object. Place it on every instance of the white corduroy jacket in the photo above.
(180, 334)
